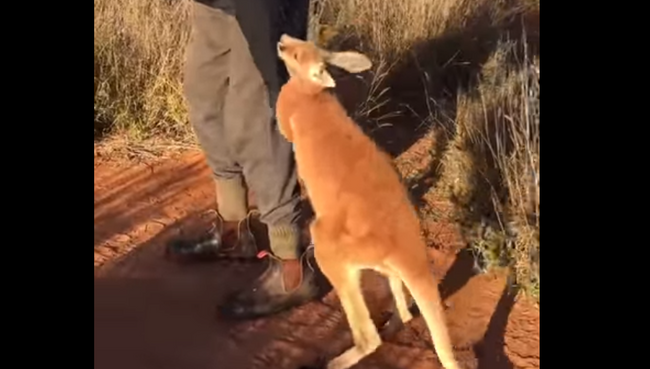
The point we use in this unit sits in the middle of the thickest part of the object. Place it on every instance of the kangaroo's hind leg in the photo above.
(364, 333)
(346, 281)
(399, 297)
(402, 312)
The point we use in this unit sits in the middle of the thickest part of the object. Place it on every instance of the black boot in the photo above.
(268, 295)
(215, 244)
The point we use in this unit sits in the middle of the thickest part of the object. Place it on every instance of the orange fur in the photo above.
(364, 219)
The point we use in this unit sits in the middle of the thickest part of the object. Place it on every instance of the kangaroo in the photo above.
(364, 219)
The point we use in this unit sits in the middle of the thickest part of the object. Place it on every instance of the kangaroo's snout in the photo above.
(282, 44)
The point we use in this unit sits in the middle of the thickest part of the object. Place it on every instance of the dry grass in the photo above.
(464, 68)
(491, 167)
(139, 49)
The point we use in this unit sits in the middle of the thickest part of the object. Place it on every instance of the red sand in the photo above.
(150, 313)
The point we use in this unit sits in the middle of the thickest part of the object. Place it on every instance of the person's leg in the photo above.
(267, 161)
(207, 70)
(264, 154)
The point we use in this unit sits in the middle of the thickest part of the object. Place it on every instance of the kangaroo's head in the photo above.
(306, 61)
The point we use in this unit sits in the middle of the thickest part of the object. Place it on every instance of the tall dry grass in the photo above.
(139, 47)
(491, 168)
(467, 68)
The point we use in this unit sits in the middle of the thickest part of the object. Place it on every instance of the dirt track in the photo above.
(153, 314)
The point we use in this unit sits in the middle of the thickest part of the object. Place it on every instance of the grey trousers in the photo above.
(231, 83)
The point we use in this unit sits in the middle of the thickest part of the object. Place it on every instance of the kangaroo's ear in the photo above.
(350, 61)
(288, 40)
(319, 75)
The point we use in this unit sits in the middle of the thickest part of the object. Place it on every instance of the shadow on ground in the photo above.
(489, 351)
(150, 313)
(153, 314)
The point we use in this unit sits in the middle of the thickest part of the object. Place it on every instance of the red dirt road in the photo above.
(150, 313)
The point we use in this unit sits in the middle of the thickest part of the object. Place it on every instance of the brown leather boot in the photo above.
(226, 240)
(283, 285)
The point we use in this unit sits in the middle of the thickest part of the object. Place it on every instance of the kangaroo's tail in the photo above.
(424, 290)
